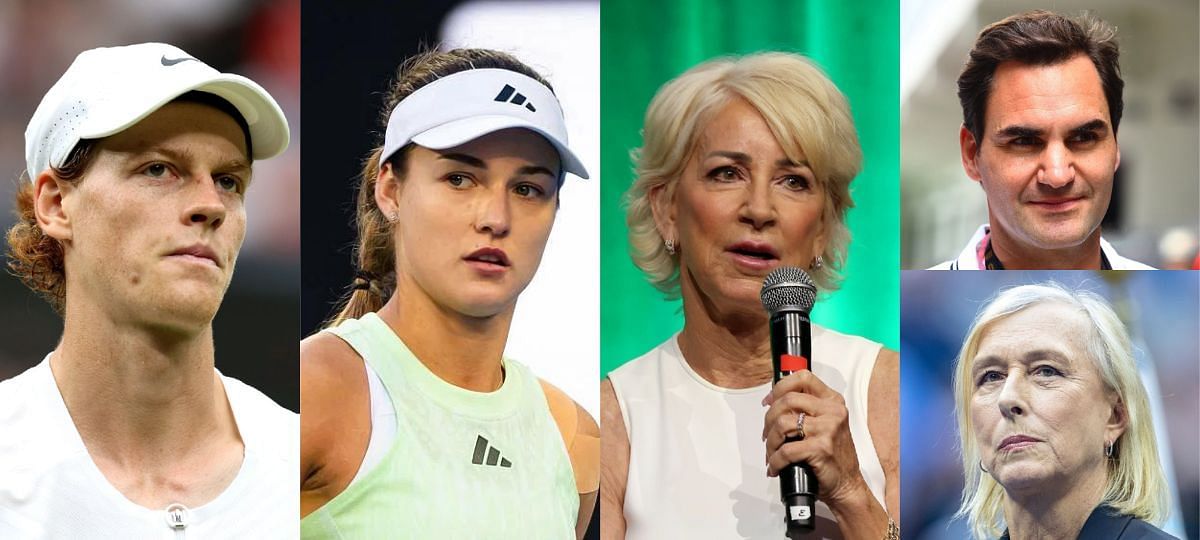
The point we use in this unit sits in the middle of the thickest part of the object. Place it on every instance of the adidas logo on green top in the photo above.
(493, 454)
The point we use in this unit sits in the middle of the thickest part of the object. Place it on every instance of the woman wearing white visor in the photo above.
(413, 424)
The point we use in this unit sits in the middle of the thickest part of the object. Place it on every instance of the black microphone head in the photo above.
(788, 287)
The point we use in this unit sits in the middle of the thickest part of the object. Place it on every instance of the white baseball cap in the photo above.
(464, 106)
(108, 89)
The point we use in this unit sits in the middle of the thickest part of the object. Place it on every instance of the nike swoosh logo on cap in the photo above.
(172, 61)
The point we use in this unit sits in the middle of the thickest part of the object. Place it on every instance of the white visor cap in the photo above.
(108, 89)
(464, 106)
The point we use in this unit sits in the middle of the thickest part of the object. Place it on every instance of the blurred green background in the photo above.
(644, 44)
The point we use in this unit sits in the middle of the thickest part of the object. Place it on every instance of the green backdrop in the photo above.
(645, 44)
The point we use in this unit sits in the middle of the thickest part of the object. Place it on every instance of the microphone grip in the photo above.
(791, 351)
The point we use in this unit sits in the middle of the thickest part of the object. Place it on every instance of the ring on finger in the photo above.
(800, 425)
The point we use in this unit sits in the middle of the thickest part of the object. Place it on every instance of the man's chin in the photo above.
(182, 315)
(1052, 236)
(1067, 240)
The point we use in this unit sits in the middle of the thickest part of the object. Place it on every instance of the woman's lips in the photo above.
(486, 268)
(753, 255)
(1017, 442)
(753, 263)
(489, 261)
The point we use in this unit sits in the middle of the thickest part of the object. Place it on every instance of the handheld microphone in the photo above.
(788, 295)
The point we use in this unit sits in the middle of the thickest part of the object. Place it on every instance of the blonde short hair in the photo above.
(803, 110)
(1136, 485)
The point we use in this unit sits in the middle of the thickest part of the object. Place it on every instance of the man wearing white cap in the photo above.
(138, 160)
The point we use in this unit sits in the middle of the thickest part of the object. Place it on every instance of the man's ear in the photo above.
(49, 197)
(969, 148)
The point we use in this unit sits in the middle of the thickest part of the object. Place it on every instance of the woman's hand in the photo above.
(827, 446)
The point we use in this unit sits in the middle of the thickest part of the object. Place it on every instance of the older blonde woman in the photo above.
(1055, 426)
(746, 167)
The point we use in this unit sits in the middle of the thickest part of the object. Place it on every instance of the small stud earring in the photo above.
(670, 244)
(817, 263)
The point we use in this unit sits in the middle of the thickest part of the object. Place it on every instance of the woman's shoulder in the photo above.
(572, 419)
(645, 365)
(326, 354)
(329, 368)
(580, 433)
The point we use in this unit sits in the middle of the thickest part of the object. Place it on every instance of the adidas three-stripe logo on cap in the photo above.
(466, 105)
(508, 94)
(493, 454)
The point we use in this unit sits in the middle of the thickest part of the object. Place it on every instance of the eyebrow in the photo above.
(740, 157)
(1013, 132)
(1028, 358)
(1016, 132)
(529, 170)
(464, 158)
(480, 164)
(187, 155)
(1094, 125)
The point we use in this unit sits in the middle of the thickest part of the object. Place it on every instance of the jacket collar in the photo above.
(968, 261)
(1103, 524)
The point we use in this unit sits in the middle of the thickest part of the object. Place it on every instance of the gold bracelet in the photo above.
(893, 532)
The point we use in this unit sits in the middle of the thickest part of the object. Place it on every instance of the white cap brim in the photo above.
(459, 132)
(466, 105)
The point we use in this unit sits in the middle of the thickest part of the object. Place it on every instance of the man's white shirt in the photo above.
(968, 259)
(51, 488)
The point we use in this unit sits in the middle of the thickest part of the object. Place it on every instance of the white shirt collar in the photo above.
(967, 260)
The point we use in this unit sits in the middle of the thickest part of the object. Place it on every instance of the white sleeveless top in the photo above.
(51, 488)
(696, 452)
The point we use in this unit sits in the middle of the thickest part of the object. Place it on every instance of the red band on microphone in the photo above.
(790, 362)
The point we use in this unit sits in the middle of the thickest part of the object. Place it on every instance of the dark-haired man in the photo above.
(1041, 99)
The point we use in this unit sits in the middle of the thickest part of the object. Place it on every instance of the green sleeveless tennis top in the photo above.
(464, 464)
